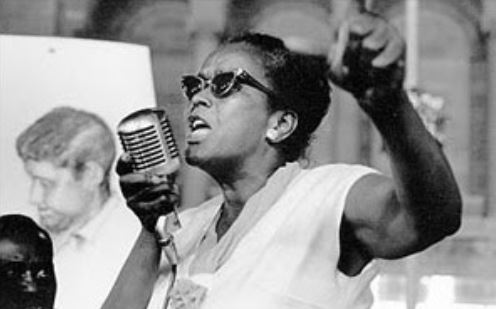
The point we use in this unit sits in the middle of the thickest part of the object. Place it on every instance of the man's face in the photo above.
(28, 279)
(61, 199)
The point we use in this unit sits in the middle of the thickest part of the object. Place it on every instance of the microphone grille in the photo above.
(147, 137)
(169, 137)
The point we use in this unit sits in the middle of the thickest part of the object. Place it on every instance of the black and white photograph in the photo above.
(248, 154)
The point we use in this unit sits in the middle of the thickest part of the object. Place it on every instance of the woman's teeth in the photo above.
(198, 124)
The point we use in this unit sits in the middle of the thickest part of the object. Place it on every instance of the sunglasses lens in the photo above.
(223, 83)
(191, 85)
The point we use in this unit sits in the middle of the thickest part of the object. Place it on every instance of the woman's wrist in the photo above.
(384, 104)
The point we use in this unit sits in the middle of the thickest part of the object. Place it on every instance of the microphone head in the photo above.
(146, 135)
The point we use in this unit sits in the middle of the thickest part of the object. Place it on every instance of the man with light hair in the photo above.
(69, 155)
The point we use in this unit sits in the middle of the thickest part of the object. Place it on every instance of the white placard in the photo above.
(39, 73)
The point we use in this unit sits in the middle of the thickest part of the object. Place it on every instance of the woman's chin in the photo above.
(191, 157)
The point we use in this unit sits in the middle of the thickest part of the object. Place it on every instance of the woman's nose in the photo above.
(198, 101)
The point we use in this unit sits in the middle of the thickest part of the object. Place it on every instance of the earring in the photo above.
(271, 135)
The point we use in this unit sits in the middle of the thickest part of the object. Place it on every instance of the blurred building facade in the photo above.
(457, 63)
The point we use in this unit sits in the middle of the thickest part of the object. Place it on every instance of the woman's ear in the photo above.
(281, 125)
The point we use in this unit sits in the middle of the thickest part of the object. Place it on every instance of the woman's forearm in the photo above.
(134, 285)
(423, 178)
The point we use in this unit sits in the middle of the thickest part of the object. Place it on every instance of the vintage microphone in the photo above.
(146, 136)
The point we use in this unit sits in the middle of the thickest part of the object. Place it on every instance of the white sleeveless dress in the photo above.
(286, 259)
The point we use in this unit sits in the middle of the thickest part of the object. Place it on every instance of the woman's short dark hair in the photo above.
(300, 82)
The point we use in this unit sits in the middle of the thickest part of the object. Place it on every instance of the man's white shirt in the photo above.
(89, 260)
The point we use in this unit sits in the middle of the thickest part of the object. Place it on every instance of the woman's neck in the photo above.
(237, 192)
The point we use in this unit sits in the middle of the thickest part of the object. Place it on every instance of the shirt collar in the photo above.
(91, 229)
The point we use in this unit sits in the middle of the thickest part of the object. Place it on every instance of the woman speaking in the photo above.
(282, 233)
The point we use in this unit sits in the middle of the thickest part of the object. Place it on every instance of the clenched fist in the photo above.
(148, 196)
(367, 58)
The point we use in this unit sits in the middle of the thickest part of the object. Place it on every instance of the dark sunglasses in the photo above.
(222, 84)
